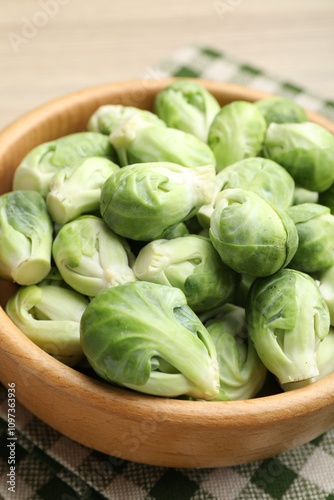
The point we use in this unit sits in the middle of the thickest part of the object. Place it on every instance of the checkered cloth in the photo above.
(51, 466)
(210, 64)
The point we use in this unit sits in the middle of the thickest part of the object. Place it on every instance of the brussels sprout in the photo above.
(144, 336)
(326, 284)
(50, 317)
(110, 116)
(250, 235)
(264, 177)
(241, 294)
(241, 372)
(176, 231)
(302, 195)
(326, 198)
(90, 257)
(193, 225)
(306, 150)
(138, 141)
(277, 109)
(186, 105)
(191, 264)
(315, 226)
(259, 175)
(76, 190)
(39, 166)
(287, 318)
(236, 133)
(141, 201)
(325, 355)
(54, 278)
(25, 237)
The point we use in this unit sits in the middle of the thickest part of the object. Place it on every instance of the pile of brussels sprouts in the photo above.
(184, 252)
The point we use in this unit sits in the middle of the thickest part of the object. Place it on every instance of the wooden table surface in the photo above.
(52, 47)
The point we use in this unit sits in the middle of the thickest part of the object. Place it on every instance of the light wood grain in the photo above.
(121, 423)
(80, 44)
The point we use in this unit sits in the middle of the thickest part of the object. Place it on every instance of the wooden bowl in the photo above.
(119, 422)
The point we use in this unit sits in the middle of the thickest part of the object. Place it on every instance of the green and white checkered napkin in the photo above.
(50, 466)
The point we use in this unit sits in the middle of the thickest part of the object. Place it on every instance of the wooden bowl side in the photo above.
(118, 422)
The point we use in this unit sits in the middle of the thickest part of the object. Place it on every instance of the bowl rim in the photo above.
(15, 346)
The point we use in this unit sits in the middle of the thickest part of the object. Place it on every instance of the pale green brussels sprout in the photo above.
(236, 133)
(142, 200)
(90, 257)
(279, 109)
(50, 317)
(326, 198)
(287, 319)
(259, 175)
(145, 337)
(326, 284)
(76, 190)
(138, 141)
(306, 150)
(186, 105)
(315, 226)
(39, 166)
(191, 264)
(251, 235)
(241, 372)
(325, 355)
(110, 116)
(25, 237)
(302, 195)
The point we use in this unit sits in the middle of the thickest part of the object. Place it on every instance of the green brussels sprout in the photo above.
(186, 105)
(110, 116)
(259, 175)
(50, 317)
(306, 150)
(264, 177)
(287, 318)
(302, 195)
(278, 109)
(193, 225)
(138, 141)
(145, 337)
(326, 285)
(39, 166)
(325, 355)
(236, 133)
(175, 231)
(191, 264)
(326, 198)
(76, 190)
(54, 278)
(25, 237)
(315, 226)
(90, 257)
(241, 372)
(244, 284)
(141, 201)
(250, 235)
